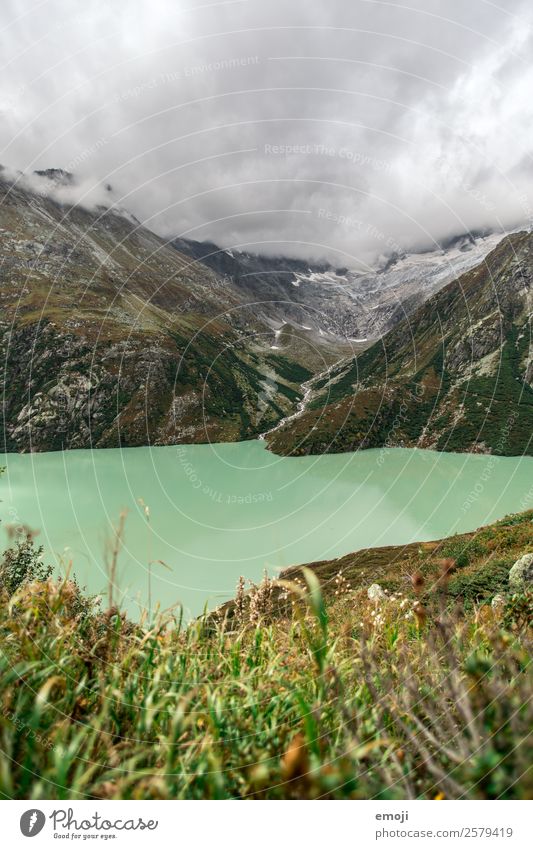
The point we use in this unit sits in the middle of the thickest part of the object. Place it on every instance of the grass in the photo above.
(300, 689)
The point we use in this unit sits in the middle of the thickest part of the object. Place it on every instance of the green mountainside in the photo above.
(457, 375)
(110, 336)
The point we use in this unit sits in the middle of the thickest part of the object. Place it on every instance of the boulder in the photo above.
(521, 574)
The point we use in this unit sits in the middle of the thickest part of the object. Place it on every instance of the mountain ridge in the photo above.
(109, 336)
(353, 304)
(457, 375)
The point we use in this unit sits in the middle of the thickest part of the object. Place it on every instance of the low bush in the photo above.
(22, 563)
(483, 583)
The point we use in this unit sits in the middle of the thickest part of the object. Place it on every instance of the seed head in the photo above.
(417, 580)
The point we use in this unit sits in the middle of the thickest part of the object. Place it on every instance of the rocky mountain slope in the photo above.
(457, 375)
(108, 335)
(354, 305)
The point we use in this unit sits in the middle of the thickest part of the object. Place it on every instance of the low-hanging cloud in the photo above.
(325, 129)
(62, 187)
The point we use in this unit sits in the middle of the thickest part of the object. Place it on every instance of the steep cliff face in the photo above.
(110, 336)
(455, 376)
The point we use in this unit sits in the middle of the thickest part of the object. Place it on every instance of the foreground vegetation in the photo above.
(296, 690)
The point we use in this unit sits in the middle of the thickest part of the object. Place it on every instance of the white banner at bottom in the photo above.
(267, 825)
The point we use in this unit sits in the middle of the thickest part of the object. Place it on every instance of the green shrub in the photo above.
(482, 584)
(462, 551)
(518, 611)
(22, 563)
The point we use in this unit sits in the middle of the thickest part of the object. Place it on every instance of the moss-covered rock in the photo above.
(521, 574)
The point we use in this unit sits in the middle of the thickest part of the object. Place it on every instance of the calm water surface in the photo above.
(220, 511)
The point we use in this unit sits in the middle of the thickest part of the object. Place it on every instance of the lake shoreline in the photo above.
(223, 510)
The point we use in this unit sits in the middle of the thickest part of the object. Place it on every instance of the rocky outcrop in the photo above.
(521, 574)
(64, 390)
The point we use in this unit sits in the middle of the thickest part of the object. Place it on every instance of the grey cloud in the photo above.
(324, 129)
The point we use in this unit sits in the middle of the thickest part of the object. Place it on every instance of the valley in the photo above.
(113, 336)
(456, 375)
(266, 457)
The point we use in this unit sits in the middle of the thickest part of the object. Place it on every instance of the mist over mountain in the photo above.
(239, 196)
(112, 335)
(332, 131)
(352, 304)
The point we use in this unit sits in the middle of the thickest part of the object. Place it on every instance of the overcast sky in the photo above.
(343, 129)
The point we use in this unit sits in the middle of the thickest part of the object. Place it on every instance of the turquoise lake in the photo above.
(220, 511)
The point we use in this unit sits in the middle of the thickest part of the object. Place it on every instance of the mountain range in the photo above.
(112, 335)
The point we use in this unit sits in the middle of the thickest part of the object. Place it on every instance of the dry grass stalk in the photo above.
(113, 547)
